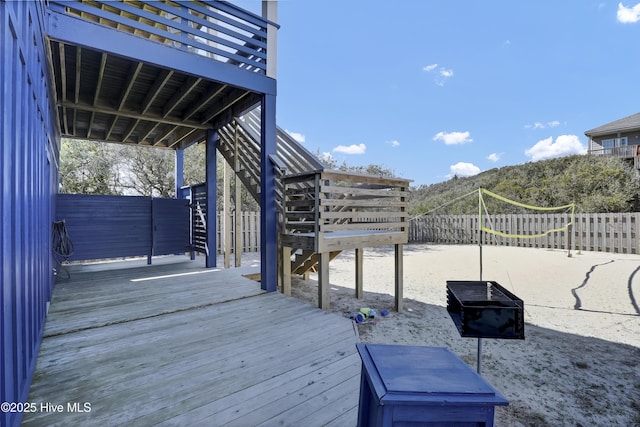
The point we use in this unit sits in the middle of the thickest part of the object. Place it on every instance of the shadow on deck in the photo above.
(177, 344)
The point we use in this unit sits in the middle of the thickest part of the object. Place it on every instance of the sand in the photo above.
(579, 364)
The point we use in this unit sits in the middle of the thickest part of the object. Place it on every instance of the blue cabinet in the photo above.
(413, 385)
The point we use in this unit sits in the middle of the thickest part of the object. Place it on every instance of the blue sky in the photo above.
(434, 88)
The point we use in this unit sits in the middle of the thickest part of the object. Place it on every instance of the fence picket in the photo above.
(604, 232)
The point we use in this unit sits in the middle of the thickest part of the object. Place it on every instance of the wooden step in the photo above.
(311, 263)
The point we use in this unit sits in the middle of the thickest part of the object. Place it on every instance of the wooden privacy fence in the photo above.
(250, 232)
(603, 232)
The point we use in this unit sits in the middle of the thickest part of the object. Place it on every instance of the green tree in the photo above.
(150, 171)
(89, 167)
(594, 183)
(331, 162)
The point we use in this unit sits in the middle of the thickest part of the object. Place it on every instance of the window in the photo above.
(614, 142)
(609, 145)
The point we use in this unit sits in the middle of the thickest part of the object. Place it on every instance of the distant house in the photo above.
(620, 138)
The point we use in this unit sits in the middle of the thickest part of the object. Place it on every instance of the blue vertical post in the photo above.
(179, 172)
(268, 214)
(211, 182)
(153, 237)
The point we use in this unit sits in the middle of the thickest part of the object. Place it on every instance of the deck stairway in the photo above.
(321, 212)
(239, 144)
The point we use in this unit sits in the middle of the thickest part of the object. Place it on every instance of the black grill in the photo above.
(483, 309)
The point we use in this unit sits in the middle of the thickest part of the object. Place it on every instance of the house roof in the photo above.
(631, 122)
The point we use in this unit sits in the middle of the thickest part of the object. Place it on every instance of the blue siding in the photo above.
(120, 226)
(171, 226)
(106, 226)
(29, 145)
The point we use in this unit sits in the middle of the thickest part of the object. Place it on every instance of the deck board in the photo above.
(208, 348)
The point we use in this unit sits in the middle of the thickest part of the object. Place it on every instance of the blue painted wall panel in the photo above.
(171, 228)
(106, 226)
(121, 226)
(29, 145)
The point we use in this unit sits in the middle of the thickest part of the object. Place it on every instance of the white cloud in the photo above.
(446, 73)
(351, 149)
(540, 125)
(327, 156)
(494, 157)
(442, 73)
(393, 143)
(464, 169)
(297, 136)
(564, 145)
(453, 138)
(628, 15)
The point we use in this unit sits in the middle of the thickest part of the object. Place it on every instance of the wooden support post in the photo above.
(238, 205)
(226, 216)
(323, 280)
(359, 287)
(237, 247)
(285, 266)
(399, 274)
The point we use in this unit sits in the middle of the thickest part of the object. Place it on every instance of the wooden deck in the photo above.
(177, 344)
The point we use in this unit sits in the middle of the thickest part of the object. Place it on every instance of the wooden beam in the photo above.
(359, 261)
(158, 84)
(63, 72)
(63, 85)
(238, 205)
(129, 130)
(180, 95)
(132, 115)
(212, 93)
(212, 112)
(184, 134)
(323, 281)
(96, 94)
(144, 135)
(131, 80)
(78, 71)
(398, 278)
(226, 215)
(164, 136)
(110, 129)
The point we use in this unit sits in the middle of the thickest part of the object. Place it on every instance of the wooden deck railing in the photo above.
(215, 29)
(625, 152)
(333, 201)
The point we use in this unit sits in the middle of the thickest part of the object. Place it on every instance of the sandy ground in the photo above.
(579, 364)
